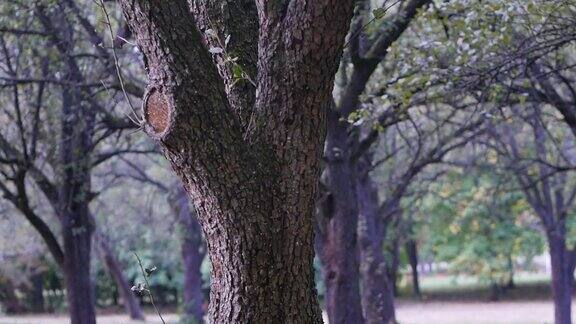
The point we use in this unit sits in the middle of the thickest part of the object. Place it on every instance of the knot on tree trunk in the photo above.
(157, 112)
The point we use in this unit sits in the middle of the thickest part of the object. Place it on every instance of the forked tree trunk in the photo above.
(253, 180)
(562, 279)
(192, 255)
(129, 300)
(377, 291)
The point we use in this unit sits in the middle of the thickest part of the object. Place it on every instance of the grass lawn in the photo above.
(529, 286)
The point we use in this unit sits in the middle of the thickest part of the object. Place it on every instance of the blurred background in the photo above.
(451, 185)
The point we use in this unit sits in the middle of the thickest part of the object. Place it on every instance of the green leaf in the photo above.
(379, 13)
(237, 71)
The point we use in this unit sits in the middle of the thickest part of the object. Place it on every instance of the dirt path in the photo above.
(525, 312)
(532, 312)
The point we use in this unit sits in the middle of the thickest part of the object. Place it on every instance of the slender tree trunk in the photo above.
(193, 296)
(339, 252)
(37, 293)
(77, 123)
(395, 262)
(131, 303)
(192, 255)
(562, 280)
(495, 291)
(412, 252)
(510, 284)
(77, 273)
(377, 291)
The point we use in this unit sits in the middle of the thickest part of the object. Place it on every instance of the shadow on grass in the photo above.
(448, 288)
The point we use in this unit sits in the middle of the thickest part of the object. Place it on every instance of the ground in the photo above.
(409, 312)
(447, 300)
(525, 312)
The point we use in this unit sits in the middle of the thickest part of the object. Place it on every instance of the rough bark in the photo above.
(254, 185)
(412, 252)
(130, 302)
(192, 251)
(377, 291)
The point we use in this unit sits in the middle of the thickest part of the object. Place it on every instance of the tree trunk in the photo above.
(37, 293)
(192, 256)
(338, 251)
(495, 291)
(253, 184)
(412, 252)
(77, 273)
(562, 280)
(377, 291)
(395, 261)
(510, 283)
(77, 124)
(131, 303)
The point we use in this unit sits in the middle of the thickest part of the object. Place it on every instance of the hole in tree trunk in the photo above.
(157, 112)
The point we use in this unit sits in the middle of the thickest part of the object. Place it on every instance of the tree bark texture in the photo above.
(253, 180)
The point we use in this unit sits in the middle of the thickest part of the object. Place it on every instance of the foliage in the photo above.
(479, 228)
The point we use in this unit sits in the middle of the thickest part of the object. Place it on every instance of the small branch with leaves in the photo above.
(238, 72)
(135, 118)
(145, 286)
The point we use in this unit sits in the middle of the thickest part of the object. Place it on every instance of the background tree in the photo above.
(375, 27)
(550, 193)
(60, 167)
(478, 231)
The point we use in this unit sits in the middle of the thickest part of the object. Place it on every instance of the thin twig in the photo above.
(148, 287)
(116, 63)
(357, 33)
